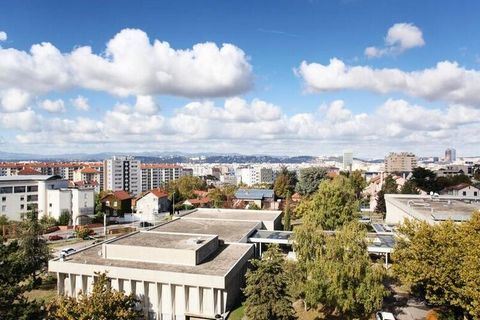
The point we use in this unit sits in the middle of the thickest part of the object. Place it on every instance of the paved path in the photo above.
(413, 310)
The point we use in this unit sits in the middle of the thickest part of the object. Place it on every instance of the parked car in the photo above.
(54, 237)
(145, 224)
(71, 236)
(384, 316)
(67, 251)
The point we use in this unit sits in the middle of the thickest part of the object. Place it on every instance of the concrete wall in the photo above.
(58, 201)
(14, 205)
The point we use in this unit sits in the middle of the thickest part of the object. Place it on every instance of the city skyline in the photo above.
(278, 78)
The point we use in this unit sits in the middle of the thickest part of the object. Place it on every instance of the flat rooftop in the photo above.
(228, 231)
(164, 240)
(437, 208)
(234, 214)
(29, 178)
(218, 264)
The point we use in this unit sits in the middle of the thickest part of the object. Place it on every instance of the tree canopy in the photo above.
(285, 182)
(184, 187)
(266, 291)
(358, 182)
(309, 179)
(440, 262)
(104, 303)
(334, 204)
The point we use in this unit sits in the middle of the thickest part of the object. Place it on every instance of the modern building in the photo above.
(49, 195)
(450, 155)
(400, 162)
(256, 175)
(347, 160)
(122, 173)
(190, 268)
(159, 175)
(432, 209)
(152, 205)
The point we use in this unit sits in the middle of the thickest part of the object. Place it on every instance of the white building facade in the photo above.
(159, 175)
(122, 173)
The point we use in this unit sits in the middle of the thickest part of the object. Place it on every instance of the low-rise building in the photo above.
(432, 209)
(152, 205)
(263, 198)
(190, 268)
(117, 203)
(462, 190)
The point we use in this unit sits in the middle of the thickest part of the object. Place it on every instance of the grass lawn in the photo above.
(45, 295)
(237, 314)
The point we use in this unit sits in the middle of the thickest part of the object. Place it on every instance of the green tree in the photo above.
(309, 180)
(103, 304)
(425, 179)
(333, 205)
(65, 218)
(82, 232)
(4, 220)
(287, 226)
(342, 277)
(285, 182)
(389, 187)
(253, 206)
(440, 262)
(217, 197)
(358, 182)
(266, 291)
(33, 247)
(409, 187)
(185, 186)
(15, 280)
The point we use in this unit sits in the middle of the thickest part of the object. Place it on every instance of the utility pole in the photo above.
(105, 225)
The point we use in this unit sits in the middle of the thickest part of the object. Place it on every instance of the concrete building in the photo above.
(152, 205)
(400, 162)
(256, 175)
(122, 173)
(450, 155)
(454, 170)
(87, 174)
(49, 195)
(347, 160)
(159, 175)
(263, 198)
(190, 268)
(432, 209)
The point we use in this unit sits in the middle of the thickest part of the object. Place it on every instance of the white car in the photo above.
(67, 251)
(384, 316)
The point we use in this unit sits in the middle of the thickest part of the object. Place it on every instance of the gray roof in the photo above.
(255, 194)
(30, 178)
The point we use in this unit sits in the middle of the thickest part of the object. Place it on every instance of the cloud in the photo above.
(229, 127)
(80, 103)
(447, 81)
(14, 100)
(400, 37)
(130, 65)
(146, 105)
(53, 106)
(3, 36)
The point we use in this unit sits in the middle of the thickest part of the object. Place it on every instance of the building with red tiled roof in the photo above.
(153, 204)
(28, 172)
(199, 203)
(117, 203)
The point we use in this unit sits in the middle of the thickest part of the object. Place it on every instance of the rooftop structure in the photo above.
(190, 268)
(432, 209)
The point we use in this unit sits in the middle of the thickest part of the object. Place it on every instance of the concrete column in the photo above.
(200, 300)
(159, 300)
(172, 300)
(60, 283)
(71, 282)
(90, 282)
(115, 284)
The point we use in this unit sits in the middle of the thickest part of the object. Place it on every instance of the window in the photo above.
(4, 199)
(22, 198)
(6, 189)
(49, 205)
(32, 188)
(32, 197)
(464, 193)
(475, 193)
(22, 206)
(19, 189)
(4, 208)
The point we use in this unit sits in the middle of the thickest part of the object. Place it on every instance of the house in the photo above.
(263, 198)
(117, 203)
(152, 204)
(462, 190)
(199, 203)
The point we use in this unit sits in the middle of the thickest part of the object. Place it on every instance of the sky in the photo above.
(284, 77)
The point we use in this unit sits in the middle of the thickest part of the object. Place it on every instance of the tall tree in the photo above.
(425, 179)
(285, 182)
(287, 214)
(333, 205)
(309, 180)
(358, 182)
(440, 262)
(389, 187)
(266, 291)
(103, 304)
(341, 276)
(185, 186)
(409, 187)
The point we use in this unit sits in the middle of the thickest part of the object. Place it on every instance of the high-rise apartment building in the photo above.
(347, 160)
(159, 175)
(450, 155)
(256, 175)
(122, 173)
(400, 162)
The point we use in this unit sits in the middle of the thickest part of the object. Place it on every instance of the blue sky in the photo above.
(252, 98)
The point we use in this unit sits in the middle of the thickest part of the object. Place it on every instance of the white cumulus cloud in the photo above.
(3, 36)
(80, 103)
(400, 37)
(53, 106)
(14, 100)
(446, 81)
